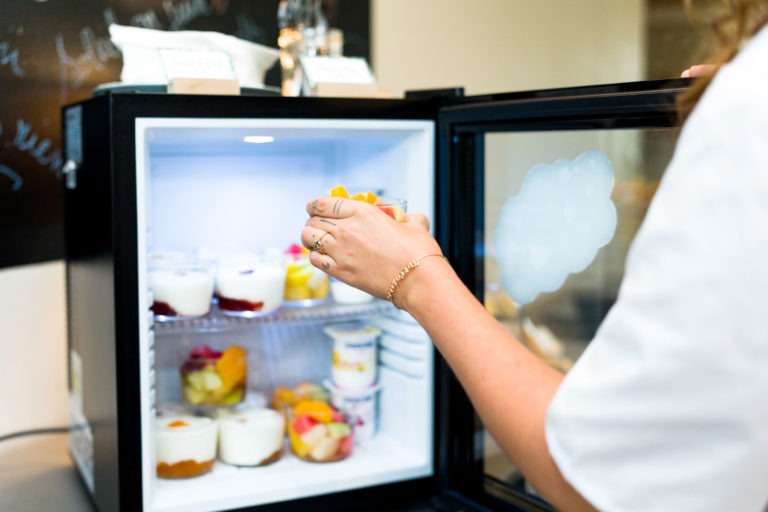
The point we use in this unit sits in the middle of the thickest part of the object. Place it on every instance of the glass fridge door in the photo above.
(541, 197)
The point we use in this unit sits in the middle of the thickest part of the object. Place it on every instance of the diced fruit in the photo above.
(316, 278)
(281, 397)
(338, 430)
(204, 380)
(297, 293)
(316, 409)
(311, 390)
(298, 447)
(314, 435)
(294, 250)
(205, 351)
(194, 396)
(368, 197)
(232, 366)
(303, 423)
(321, 290)
(340, 191)
(233, 397)
(346, 444)
(324, 449)
(299, 275)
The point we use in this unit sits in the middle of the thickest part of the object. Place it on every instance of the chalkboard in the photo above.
(55, 52)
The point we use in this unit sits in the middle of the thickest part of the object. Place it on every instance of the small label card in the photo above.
(352, 75)
(196, 64)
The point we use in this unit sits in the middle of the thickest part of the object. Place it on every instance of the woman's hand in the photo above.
(361, 245)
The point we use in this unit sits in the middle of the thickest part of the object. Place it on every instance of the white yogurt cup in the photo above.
(361, 404)
(253, 437)
(181, 290)
(354, 363)
(250, 285)
(343, 293)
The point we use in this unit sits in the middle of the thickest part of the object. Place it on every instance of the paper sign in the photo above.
(337, 70)
(196, 64)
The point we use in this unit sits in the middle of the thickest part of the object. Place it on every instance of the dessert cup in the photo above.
(180, 289)
(250, 284)
(213, 378)
(252, 437)
(185, 446)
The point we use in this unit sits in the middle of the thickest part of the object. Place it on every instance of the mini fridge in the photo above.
(153, 179)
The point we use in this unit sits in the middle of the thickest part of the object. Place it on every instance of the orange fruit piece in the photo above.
(368, 197)
(281, 397)
(232, 366)
(178, 423)
(340, 191)
(315, 409)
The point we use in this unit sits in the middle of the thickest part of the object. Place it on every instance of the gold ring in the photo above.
(318, 246)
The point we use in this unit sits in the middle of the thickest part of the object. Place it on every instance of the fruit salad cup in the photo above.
(318, 432)
(395, 208)
(305, 284)
(284, 397)
(213, 378)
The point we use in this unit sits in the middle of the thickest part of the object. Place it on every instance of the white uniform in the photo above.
(667, 410)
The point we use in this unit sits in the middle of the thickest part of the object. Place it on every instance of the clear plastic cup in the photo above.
(250, 284)
(180, 288)
(395, 208)
(185, 446)
(319, 432)
(214, 378)
(251, 437)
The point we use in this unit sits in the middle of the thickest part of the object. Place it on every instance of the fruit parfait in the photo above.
(251, 437)
(250, 284)
(180, 289)
(395, 208)
(319, 432)
(305, 284)
(214, 378)
(185, 446)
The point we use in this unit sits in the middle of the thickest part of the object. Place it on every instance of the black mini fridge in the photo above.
(155, 180)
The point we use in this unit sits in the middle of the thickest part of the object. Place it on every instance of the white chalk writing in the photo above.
(10, 58)
(27, 141)
(181, 14)
(16, 181)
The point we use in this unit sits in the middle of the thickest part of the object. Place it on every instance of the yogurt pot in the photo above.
(250, 284)
(181, 290)
(343, 293)
(354, 358)
(185, 446)
(252, 437)
(360, 404)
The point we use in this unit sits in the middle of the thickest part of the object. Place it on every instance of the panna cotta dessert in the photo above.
(250, 285)
(185, 446)
(181, 290)
(354, 356)
(305, 284)
(214, 378)
(253, 437)
(319, 432)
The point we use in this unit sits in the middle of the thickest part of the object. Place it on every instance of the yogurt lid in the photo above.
(351, 331)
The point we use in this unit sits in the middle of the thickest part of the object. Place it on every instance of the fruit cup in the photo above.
(319, 432)
(395, 208)
(213, 378)
(305, 284)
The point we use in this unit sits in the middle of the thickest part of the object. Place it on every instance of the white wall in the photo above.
(483, 45)
(505, 45)
(33, 378)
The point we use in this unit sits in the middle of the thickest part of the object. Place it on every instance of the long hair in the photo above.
(733, 22)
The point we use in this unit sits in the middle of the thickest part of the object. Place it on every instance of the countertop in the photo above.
(36, 474)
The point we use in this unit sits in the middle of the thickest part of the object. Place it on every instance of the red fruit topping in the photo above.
(303, 423)
(389, 211)
(338, 417)
(293, 250)
(163, 309)
(239, 304)
(204, 352)
(345, 445)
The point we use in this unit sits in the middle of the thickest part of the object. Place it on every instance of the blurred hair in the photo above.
(732, 22)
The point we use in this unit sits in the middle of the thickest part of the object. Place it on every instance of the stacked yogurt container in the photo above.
(354, 372)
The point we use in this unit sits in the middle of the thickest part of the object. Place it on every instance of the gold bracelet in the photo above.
(406, 270)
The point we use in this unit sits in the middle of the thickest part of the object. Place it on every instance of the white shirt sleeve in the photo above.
(667, 409)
